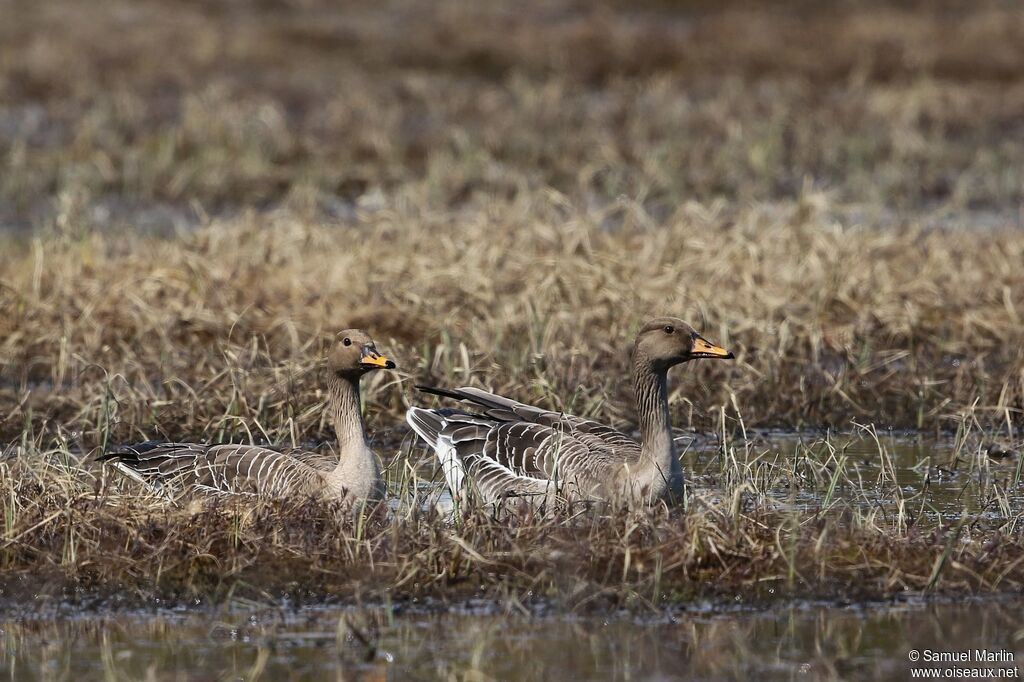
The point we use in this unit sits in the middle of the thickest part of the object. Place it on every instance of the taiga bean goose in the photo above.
(511, 450)
(276, 472)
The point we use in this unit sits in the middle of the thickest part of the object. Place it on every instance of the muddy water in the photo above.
(796, 642)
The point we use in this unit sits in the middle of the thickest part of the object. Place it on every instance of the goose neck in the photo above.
(651, 385)
(345, 410)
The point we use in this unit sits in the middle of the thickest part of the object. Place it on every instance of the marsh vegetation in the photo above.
(500, 195)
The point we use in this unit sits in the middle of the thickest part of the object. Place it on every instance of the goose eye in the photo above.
(347, 341)
(669, 329)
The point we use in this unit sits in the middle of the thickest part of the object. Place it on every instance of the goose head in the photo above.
(354, 354)
(668, 341)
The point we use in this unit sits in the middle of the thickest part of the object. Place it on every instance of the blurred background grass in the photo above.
(907, 105)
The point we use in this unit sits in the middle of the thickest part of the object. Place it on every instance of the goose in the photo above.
(278, 472)
(507, 449)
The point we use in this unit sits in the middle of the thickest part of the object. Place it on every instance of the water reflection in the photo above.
(806, 642)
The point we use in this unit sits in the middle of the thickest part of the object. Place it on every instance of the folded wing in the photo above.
(509, 449)
(225, 468)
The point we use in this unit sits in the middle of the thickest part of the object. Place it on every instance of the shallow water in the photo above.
(796, 642)
(931, 480)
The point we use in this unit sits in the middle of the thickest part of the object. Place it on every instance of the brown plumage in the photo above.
(278, 472)
(511, 450)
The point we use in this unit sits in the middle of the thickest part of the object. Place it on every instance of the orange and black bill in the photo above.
(702, 348)
(371, 358)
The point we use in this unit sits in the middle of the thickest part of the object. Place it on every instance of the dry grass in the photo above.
(500, 196)
(312, 105)
(70, 534)
(124, 336)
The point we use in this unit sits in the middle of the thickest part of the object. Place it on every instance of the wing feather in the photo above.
(230, 468)
(510, 448)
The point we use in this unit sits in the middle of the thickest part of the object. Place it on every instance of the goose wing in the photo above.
(158, 460)
(512, 448)
(503, 459)
(597, 437)
(226, 468)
